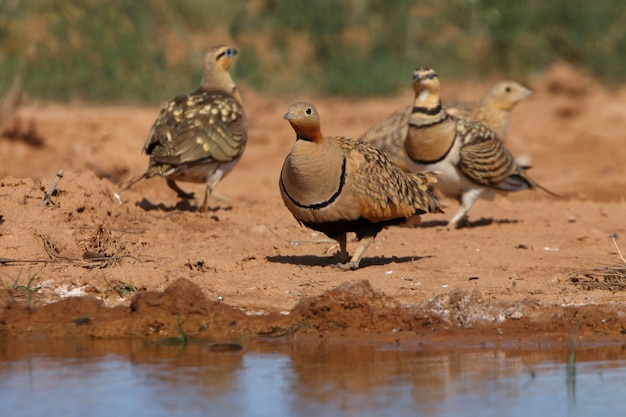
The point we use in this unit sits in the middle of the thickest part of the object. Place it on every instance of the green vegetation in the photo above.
(121, 288)
(29, 290)
(150, 50)
(181, 340)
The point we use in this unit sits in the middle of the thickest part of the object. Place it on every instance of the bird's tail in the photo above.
(127, 184)
(427, 179)
(545, 190)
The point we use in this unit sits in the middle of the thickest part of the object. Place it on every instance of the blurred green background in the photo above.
(145, 51)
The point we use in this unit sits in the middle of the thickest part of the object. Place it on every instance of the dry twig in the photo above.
(53, 186)
(613, 236)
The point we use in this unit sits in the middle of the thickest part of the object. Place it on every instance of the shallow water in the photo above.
(124, 378)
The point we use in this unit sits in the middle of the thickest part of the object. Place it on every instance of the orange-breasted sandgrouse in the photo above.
(337, 185)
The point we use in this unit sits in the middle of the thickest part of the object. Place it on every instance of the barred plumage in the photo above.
(199, 137)
(492, 110)
(389, 135)
(337, 185)
(472, 159)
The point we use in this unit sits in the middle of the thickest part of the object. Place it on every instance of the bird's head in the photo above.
(217, 62)
(305, 121)
(505, 95)
(425, 79)
(220, 56)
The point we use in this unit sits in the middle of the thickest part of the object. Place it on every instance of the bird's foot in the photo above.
(346, 266)
(186, 196)
(221, 198)
(458, 224)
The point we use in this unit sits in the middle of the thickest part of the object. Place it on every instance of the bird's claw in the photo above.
(346, 266)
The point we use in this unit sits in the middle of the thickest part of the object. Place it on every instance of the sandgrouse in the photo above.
(201, 136)
(337, 185)
(470, 157)
(493, 110)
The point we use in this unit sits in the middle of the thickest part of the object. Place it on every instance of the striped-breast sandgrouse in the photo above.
(337, 185)
(493, 110)
(471, 159)
(201, 136)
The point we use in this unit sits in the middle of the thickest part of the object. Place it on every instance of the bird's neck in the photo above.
(495, 104)
(427, 109)
(309, 134)
(221, 82)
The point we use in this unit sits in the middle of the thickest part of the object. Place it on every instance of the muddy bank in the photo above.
(354, 310)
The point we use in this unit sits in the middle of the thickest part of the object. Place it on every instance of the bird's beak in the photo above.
(528, 93)
(288, 116)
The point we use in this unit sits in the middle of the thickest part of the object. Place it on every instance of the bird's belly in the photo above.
(206, 172)
(450, 181)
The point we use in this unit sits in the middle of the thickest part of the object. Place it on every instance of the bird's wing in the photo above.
(484, 159)
(385, 191)
(204, 126)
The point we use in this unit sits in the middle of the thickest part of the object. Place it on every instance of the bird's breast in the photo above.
(311, 181)
(430, 144)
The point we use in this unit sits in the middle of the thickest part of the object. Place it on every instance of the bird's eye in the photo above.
(507, 89)
(308, 110)
(229, 52)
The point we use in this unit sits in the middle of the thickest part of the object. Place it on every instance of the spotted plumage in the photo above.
(336, 185)
(201, 136)
(472, 161)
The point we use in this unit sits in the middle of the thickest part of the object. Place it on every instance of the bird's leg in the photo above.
(466, 201)
(343, 251)
(210, 185)
(358, 254)
(181, 194)
(343, 247)
(205, 203)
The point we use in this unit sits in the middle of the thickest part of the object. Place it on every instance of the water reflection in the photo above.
(105, 378)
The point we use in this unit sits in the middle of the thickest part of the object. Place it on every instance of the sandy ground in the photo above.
(527, 264)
